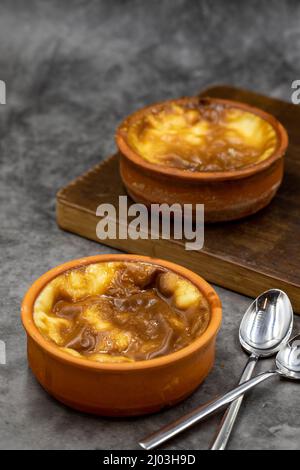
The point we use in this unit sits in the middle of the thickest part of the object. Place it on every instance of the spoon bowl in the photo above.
(267, 324)
(288, 360)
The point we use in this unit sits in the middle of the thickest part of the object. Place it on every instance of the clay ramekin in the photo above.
(120, 389)
(227, 195)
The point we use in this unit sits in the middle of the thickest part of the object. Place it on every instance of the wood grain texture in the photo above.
(247, 256)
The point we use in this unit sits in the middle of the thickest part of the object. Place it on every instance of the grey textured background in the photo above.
(73, 70)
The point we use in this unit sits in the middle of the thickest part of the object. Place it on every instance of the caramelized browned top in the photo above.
(116, 312)
(201, 135)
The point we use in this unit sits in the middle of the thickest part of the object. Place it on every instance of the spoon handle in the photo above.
(230, 415)
(188, 420)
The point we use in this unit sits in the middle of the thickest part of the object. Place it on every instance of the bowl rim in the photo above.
(206, 289)
(127, 152)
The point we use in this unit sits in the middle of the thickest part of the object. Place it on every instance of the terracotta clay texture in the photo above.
(120, 389)
(227, 195)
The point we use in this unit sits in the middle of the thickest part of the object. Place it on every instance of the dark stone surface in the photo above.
(73, 70)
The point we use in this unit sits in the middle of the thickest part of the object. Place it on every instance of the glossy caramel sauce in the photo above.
(201, 135)
(121, 312)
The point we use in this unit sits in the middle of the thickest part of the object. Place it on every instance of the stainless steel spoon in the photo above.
(251, 335)
(265, 327)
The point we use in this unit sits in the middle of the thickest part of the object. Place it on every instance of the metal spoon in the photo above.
(254, 345)
(265, 327)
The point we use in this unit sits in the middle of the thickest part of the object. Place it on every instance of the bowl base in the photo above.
(117, 413)
(225, 215)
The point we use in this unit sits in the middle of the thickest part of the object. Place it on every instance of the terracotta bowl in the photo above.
(120, 389)
(227, 195)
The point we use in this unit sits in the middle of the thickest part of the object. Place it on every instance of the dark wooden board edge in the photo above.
(216, 270)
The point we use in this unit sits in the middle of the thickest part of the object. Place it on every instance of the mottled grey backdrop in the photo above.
(73, 70)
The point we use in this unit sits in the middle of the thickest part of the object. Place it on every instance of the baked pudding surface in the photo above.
(200, 135)
(120, 311)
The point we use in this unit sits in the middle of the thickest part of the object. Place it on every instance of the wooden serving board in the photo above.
(247, 256)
